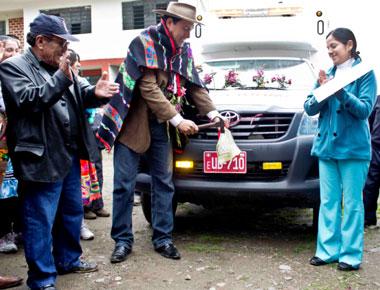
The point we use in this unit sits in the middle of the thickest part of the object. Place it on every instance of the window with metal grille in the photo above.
(77, 19)
(138, 14)
(160, 6)
(3, 28)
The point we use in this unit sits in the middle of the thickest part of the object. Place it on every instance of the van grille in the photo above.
(253, 127)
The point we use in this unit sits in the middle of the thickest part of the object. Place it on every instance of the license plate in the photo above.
(238, 165)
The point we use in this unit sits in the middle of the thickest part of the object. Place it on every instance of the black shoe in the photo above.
(342, 266)
(315, 261)
(83, 267)
(120, 254)
(368, 223)
(168, 251)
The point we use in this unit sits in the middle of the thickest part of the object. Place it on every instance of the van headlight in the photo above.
(308, 125)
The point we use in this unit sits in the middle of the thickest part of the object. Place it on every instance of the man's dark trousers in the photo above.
(55, 208)
(372, 185)
(126, 161)
(371, 188)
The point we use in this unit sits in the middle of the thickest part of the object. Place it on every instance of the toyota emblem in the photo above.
(231, 116)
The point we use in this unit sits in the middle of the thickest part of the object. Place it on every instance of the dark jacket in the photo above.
(374, 124)
(38, 132)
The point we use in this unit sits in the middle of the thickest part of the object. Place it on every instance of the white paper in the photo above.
(340, 81)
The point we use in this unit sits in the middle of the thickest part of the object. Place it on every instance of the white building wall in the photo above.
(107, 40)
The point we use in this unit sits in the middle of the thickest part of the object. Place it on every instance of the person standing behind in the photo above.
(9, 47)
(94, 204)
(10, 225)
(157, 74)
(47, 135)
(6, 281)
(89, 182)
(372, 184)
(344, 151)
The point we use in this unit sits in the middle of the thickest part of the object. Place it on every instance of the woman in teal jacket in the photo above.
(344, 151)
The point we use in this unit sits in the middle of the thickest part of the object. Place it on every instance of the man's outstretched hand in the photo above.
(104, 88)
(224, 120)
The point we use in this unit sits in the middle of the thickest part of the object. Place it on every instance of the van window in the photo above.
(259, 73)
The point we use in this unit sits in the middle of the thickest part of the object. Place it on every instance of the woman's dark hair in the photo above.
(343, 35)
(73, 57)
(13, 36)
(175, 19)
(31, 39)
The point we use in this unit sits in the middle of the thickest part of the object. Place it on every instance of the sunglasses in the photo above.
(61, 41)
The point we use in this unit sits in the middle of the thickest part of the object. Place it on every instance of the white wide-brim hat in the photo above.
(179, 10)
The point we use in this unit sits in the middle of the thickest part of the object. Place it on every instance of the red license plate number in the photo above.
(237, 165)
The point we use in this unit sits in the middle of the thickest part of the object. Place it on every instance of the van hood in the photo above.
(263, 100)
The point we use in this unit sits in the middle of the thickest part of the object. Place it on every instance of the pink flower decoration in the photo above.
(283, 83)
(259, 78)
(207, 79)
(170, 88)
(231, 79)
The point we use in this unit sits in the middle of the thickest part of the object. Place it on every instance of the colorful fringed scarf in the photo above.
(152, 49)
(91, 192)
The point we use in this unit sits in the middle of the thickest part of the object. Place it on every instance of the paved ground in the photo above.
(221, 249)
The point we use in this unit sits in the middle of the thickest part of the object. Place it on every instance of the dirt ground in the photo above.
(221, 249)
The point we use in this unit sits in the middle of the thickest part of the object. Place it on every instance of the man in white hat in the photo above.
(155, 78)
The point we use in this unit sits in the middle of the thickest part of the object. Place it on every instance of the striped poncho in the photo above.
(152, 49)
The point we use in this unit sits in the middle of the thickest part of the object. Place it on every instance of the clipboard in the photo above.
(340, 81)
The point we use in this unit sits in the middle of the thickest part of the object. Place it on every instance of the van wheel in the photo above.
(147, 209)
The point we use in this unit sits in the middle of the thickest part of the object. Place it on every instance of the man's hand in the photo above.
(225, 121)
(187, 127)
(64, 65)
(104, 88)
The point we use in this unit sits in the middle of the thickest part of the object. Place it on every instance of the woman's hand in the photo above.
(322, 79)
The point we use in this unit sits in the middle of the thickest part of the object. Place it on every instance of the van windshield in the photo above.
(283, 74)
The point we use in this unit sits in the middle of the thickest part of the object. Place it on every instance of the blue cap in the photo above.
(45, 24)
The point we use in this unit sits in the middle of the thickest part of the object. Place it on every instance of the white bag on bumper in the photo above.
(226, 147)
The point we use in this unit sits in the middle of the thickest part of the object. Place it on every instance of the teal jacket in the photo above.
(343, 131)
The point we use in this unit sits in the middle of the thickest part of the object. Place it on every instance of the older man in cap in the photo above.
(47, 135)
(155, 78)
